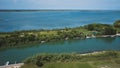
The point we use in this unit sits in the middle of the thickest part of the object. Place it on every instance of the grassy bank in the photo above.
(40, 36)
(110, 59)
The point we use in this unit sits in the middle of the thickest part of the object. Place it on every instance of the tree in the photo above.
(90, 27)
(109, 31)
(117, 24)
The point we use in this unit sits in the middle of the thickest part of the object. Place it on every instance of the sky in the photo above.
(61, 4)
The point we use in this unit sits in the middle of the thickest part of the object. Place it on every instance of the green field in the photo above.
(68, 65)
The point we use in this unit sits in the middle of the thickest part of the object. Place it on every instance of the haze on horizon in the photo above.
(61, 4)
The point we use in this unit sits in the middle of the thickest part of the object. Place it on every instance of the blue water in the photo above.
(69, 46)
(12, 21)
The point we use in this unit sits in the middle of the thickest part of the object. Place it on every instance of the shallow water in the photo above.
(69, 46)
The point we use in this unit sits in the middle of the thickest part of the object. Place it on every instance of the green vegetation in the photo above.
(12, 39)
(29, 66)
(74, 60)
(61, 65)
(117, 26)
(102, 29)
(40, 36)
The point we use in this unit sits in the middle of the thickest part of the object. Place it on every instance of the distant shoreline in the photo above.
(30, 10)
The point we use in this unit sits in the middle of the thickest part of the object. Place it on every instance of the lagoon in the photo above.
(18, 54)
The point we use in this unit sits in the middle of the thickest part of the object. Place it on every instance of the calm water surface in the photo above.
(79, 46)
(11, 21)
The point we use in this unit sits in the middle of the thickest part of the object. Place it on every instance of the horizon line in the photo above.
(59, 9)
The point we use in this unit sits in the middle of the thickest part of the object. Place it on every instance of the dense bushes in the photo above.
(117, 24)
(109, 31)
(52, 57)
(41, 59)
(103, 29)
(16, 39)
(23, 37)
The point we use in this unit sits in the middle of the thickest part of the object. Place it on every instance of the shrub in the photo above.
(117, 24)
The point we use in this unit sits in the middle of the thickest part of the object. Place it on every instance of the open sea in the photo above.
(35, 20)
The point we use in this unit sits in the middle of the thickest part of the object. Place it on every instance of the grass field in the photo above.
(67, 65)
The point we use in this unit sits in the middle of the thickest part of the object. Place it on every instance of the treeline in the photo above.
(42, 59)
(101, 29)
(104, 29)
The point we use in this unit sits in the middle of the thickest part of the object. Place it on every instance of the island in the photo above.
(16, 38)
